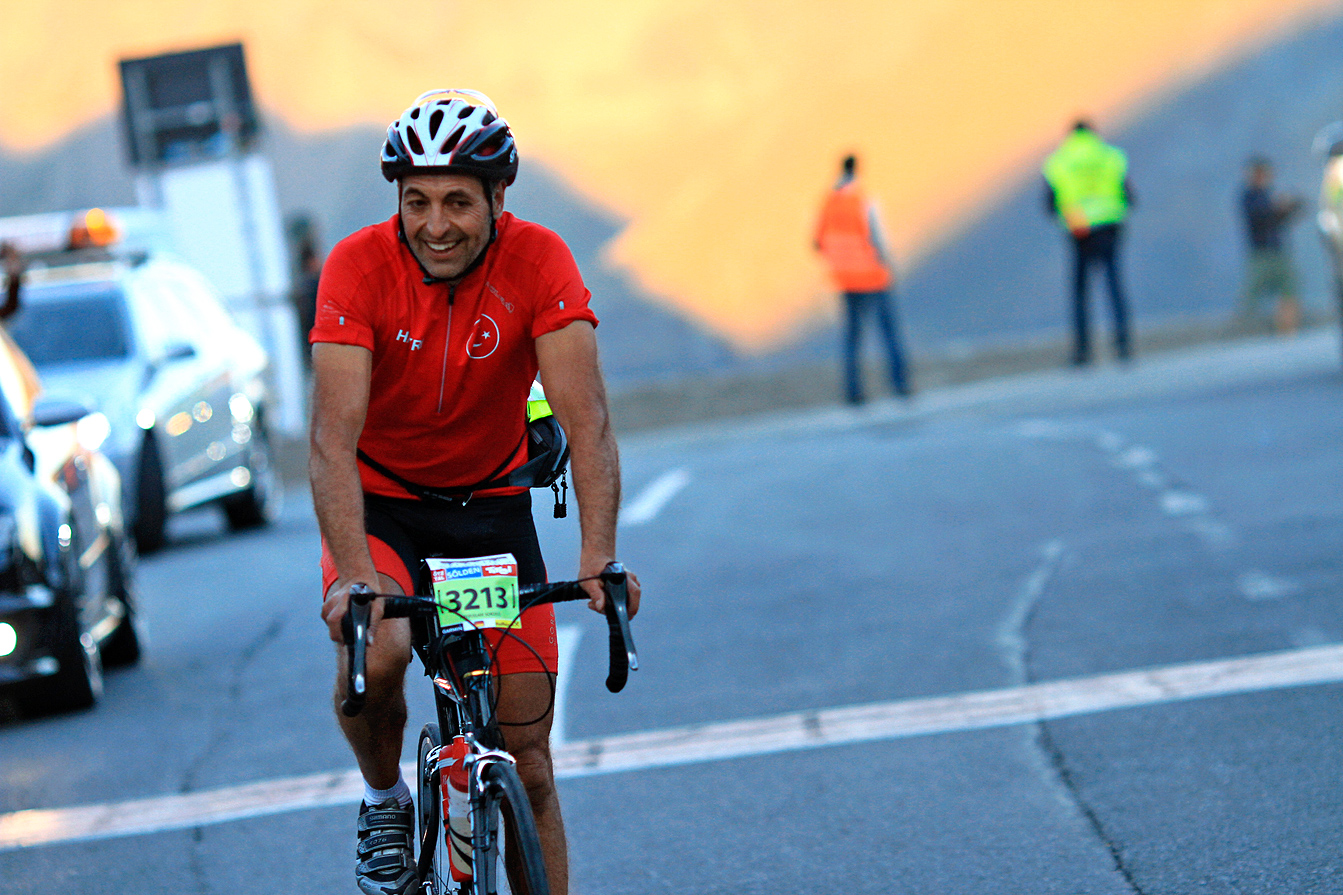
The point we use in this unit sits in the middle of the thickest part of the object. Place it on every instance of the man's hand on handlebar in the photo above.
(592, 565)
(337, 603)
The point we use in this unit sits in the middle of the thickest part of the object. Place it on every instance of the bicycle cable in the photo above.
(551, 676)
(493, 649)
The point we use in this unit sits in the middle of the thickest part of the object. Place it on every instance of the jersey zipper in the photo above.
(447, 344)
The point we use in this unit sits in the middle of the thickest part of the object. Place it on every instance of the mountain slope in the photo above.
(1004, 277)
(333, 179)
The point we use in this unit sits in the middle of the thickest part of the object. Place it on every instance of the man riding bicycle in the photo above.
(430, 330)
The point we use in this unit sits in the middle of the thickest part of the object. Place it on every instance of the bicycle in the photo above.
(446, 634)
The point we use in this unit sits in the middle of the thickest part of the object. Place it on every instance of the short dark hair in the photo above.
(850, 163)
(1083, 124)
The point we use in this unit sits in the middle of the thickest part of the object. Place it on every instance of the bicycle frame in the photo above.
(458, 663)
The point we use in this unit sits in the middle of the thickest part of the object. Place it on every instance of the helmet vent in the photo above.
(435, 120)
(453, 139)
(465, 111)
(413, 139)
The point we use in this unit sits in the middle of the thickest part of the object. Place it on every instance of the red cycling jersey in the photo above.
(452, 364)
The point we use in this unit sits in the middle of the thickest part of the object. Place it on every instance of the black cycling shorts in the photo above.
(403, 531)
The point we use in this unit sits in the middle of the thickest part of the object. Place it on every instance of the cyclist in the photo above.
(430, 329)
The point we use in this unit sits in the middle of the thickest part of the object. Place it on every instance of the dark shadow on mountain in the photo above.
(333, 179)
(85, 169)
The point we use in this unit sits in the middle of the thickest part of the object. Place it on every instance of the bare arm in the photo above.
(572, 378)
(339, 403)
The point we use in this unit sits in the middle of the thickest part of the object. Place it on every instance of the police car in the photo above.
(148, 342)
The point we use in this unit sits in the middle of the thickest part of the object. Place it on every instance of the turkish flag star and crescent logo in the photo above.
(484, 337)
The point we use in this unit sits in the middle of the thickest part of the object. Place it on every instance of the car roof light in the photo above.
(94, 229)
(57, 241)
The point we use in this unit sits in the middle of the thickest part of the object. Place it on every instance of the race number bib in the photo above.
(480, 592)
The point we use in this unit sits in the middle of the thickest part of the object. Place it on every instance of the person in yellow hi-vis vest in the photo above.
(850, 238)
(1087, 189)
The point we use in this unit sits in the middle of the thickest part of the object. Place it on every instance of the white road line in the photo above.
(944, 714)
(1138, 457)
(1257, 585)
(1216, 535)
(714, 742)
(567, 637)
(1183, 503)
(1011, 636)
(654, 497)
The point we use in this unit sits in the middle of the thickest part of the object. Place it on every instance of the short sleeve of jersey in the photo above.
(342, 299)
(564, 299)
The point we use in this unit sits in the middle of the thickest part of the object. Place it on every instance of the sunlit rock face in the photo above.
(709, 129)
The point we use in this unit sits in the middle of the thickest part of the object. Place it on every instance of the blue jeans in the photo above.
(857, 305)
(1100, 246)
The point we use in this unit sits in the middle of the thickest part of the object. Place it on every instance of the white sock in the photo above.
(398, 790)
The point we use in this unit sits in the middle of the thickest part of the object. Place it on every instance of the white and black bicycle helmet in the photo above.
(455, 131)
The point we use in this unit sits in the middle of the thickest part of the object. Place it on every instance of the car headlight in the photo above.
(92, 431)
(241, 407)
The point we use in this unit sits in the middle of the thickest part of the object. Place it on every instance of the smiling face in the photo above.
(447, 220)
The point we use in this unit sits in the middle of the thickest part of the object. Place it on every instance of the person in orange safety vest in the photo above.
(850, 239)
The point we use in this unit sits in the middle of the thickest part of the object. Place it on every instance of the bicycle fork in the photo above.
(485, 836)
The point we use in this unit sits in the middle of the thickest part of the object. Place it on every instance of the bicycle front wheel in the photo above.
(505, 800)
(434, 867)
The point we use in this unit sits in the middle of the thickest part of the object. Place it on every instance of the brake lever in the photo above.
(624, 657)
(354, 628)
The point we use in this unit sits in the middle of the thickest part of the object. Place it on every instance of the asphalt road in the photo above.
(963, 555)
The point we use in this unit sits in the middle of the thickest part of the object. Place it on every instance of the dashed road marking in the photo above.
(654, 497)
(1257, 585)
(1031, 703)
(1183, 503)
(567, 637)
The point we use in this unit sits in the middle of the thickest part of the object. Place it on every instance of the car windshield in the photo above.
(72, 326)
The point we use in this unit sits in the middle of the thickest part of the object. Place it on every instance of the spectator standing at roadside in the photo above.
(1087, 189)
(1268, 268)
(12, 260)
(850, 238)
(305, 289)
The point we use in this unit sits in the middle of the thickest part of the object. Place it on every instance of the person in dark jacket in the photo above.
(1268, 269)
